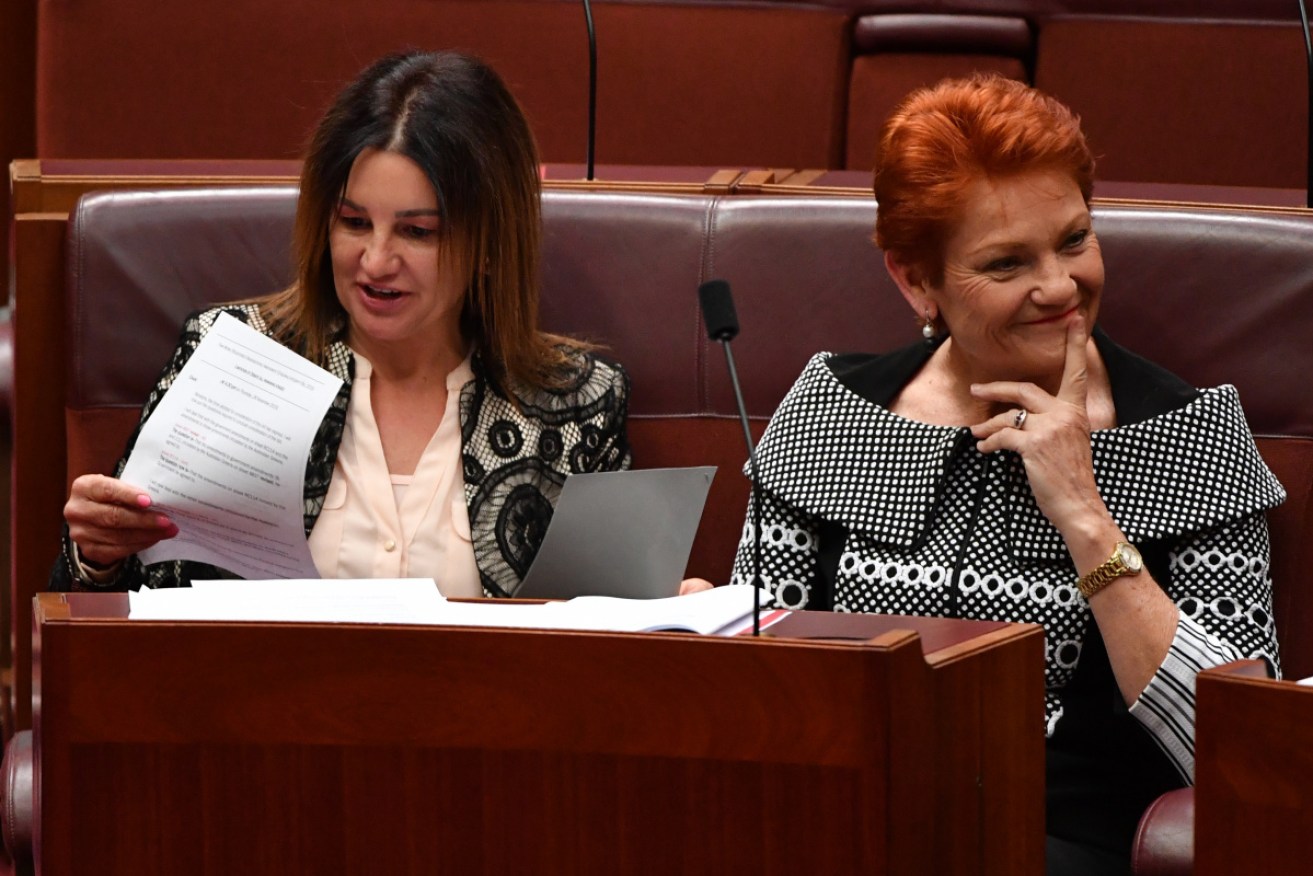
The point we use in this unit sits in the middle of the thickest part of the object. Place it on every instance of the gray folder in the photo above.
(620, 533)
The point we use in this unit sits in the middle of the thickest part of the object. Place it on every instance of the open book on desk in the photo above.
(722, 611)
(719, 611)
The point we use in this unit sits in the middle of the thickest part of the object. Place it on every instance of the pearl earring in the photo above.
(928, 330)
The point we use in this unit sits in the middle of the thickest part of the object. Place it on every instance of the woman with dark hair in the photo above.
(417, 238)
(1018, 465)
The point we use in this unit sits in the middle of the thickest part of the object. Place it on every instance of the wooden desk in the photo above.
(265, 748)
(1253, 773)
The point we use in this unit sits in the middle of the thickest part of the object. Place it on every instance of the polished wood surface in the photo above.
(37, 483)
(263, 748)
(1253, 773)
(51, 185)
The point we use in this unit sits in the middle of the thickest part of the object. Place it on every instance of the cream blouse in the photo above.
(379, 525)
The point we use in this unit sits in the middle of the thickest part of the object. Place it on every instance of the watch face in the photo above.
(1131, 557)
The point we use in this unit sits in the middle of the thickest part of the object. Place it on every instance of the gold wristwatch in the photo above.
(1125, 560)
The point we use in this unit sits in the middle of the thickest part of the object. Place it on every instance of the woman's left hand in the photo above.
(694, 585)
(1052, 437)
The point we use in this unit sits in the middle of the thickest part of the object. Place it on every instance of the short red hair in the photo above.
(944, 138)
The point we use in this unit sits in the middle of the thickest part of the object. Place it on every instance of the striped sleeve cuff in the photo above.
(1166, 707)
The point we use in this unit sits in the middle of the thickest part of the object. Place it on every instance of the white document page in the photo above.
(707, 612)
(224, 454)
(385, 601)
(720, 611)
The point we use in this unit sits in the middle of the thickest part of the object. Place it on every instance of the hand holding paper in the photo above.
(110, 520)
(224, 454)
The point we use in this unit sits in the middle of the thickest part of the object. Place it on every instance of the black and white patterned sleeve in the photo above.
(1220, 581)
(131, 574)
(789, 559)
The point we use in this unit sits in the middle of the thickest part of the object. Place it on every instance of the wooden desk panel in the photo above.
(263, 748)
(1253, 773)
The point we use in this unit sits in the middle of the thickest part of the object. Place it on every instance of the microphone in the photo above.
(718, 311)
(592, 86)
(723, 325)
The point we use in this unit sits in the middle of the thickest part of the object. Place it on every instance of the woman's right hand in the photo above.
(109, 520)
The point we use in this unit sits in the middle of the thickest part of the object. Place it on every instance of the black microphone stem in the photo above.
(738, 397)
(756, 491)
(592, 86)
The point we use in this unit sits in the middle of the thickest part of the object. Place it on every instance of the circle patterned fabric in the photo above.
(935, 528)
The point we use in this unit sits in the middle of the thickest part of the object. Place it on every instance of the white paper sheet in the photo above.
(707, 612)
(720, 611)
(224, 454)
(185, 604)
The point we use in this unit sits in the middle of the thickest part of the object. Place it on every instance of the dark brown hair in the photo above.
(453, 116)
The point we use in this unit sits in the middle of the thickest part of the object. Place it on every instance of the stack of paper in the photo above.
(399, 601)
(417, 601)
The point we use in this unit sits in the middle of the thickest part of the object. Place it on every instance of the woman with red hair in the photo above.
(1018, 465)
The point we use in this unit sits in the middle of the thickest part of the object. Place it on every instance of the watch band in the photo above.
(1125, 560)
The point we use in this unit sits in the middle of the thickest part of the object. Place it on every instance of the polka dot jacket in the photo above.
(516, 453)
(927, 525)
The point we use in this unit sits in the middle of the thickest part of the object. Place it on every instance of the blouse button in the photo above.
(389, 545)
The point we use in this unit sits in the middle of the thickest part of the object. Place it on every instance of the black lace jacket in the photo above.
(516, 455)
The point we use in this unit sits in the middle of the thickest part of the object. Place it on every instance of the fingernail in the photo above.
(143, 500)
(163, 522)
